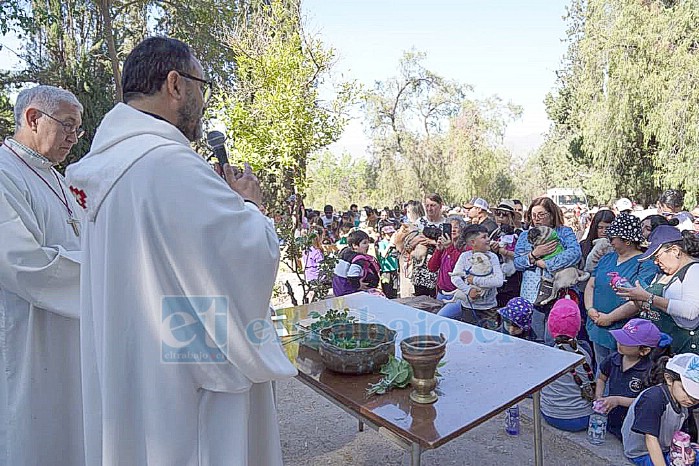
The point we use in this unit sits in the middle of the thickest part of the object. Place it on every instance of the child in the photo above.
(627, 368)
(477, 294)
(388, 260)
(356, 270)
(313, 256)
(660, 410)
(566, 403)
(517, 318)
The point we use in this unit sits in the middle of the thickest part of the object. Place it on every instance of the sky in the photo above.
(510, 48)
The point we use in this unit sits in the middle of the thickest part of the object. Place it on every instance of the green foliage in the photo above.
(330, 318)
(339, 180)
(274, 114)
(627, 100)
(396, 374)
(292, 251)
(7, 120)
(426, 130)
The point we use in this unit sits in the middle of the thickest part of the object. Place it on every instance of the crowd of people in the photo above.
(631, 308)
(116, 283)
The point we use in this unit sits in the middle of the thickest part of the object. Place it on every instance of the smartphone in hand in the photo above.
(446, 230)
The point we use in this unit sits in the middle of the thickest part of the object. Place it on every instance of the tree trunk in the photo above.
(105, 10)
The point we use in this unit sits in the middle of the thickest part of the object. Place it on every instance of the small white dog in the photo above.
(479, 266)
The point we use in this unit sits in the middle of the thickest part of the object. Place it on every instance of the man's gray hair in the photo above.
(44, 98)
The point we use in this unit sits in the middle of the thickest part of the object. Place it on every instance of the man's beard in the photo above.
(189, 121)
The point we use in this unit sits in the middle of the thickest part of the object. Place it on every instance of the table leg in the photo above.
(538, 436)
(360, 427)
(415, 454)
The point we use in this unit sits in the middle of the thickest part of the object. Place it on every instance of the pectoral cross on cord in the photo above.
(72, 221)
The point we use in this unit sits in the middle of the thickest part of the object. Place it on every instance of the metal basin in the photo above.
(382, 342)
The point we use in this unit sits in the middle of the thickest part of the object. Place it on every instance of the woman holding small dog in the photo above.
(531, 260)
(600, 295)
(424, 281)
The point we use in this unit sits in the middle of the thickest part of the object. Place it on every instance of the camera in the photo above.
(432, 232)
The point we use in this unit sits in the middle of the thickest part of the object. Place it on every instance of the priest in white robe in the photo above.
(178, 347)
(40, 389)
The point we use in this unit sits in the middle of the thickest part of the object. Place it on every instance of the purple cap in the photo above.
(662, 234)
(638, 332)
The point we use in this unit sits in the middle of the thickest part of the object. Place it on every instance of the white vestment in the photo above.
(40, 390)
(162, 224)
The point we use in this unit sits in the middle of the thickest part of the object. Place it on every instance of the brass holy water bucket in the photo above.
(423, 353)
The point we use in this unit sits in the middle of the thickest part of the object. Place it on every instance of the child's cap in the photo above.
(640, 332)
(686, 365)
(388, 229)
(519, 312)
(564, 318)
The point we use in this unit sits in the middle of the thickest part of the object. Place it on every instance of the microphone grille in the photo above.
(215, 139)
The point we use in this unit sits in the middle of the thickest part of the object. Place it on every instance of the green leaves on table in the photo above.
(331, 317)
(349, 342)
(396, 374)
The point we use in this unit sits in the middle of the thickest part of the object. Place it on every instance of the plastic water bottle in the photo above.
(617, 281)
(512, 420)
(680, 449)
(597, 428)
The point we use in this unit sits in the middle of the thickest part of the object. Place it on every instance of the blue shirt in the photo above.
(531, 274)
(605, 300)
(653, 412)
(627, 383)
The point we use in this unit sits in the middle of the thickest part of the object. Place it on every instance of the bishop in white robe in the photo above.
(40, 389)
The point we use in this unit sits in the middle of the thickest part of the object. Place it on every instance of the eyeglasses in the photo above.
(205, 91)
(501, 213)
(660, 253)
(68, 128)
(540, 215)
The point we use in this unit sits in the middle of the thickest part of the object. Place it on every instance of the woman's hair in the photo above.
(657, 220)
(550, 206)
(317, 236)
(689, 243)
(459, 220)
(356, 237)
(458, 243)
(672, 198)
(656, 375)
(606, 216)
(414, 211)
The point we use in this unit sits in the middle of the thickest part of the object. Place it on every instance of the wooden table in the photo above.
(485, 373)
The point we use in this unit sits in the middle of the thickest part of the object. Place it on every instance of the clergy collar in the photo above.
(30, 156)
(153, 115)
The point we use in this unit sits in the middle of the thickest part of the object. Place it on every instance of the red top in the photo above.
(444, 260)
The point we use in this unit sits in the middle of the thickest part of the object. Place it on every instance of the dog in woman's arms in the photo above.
(564, 278)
